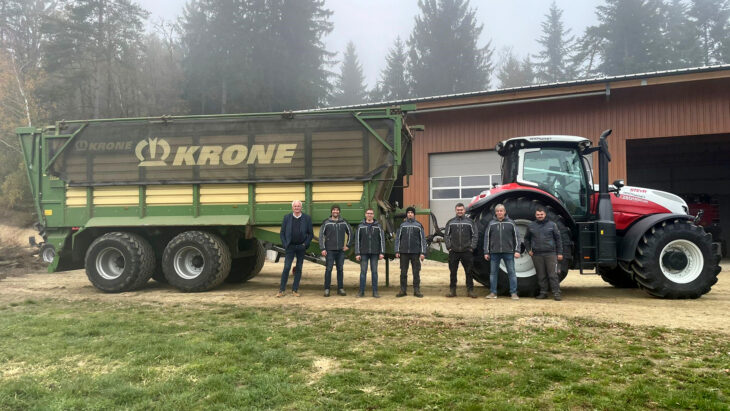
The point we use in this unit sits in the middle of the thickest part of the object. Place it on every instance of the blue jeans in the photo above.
(509, 261)
(291, 252)
(334, 257)
(364, 259)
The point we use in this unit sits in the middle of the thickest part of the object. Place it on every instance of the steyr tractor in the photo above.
(630, 236)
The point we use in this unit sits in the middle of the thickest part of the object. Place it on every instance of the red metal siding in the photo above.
(670, 110)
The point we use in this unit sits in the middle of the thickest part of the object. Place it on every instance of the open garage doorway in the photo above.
(697, 168)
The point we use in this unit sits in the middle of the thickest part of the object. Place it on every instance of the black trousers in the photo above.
(467, 261)
(415, 261)
(546, 266)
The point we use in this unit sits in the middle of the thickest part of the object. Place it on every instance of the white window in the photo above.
(461, 187)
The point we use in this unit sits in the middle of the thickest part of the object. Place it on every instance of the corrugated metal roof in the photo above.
(594, 80)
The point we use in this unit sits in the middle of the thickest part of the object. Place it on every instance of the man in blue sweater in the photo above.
(296, 235)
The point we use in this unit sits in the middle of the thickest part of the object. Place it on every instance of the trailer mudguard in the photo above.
(630, 240)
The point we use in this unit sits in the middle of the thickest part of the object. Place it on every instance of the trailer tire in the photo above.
(522, 211)
(117, 262)
(675, 260)
(246, 268)
(617, 277)
(195, 261)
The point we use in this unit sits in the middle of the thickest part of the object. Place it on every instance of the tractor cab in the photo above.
(553, 164)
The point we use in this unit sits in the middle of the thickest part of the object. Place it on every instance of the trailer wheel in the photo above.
(196, 261)
(246, 268)
(675, 260)
(522, 211)
(617, 277)
(47, 253)
(118, 262)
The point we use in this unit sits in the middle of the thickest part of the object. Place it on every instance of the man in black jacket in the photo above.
(461, 237)
(502, 243)
(332, 242)
(296, 234)
(410, 247)
(543, 242)
(369, 248)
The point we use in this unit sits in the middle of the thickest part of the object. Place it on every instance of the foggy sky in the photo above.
(374, 24)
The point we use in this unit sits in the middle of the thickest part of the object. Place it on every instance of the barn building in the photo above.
(671, 131)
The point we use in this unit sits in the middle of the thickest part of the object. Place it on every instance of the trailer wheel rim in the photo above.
(189, 262)
(523, 266)
(110, 263)
(48, 254)
(681, 261)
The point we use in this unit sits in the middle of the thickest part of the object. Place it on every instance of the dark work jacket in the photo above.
(461, 234)
(305, 227)
(501, 236)
(369, 238)
(332, 234)
(543, 237)
(410, 238)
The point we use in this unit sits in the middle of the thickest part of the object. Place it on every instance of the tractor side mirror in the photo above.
(618, 184)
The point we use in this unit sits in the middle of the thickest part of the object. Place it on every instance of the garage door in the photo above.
(457, 177)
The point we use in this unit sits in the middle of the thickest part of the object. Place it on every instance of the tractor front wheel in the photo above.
(675, 260)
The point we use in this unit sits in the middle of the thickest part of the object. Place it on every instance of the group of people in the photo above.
(502, 243)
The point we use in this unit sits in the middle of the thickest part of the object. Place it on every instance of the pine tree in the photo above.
(393, 83)
(350, 85)
(513, 72)
(683, 46)
(444, 57)
(711, 20)
(628, 39)
(553, 63)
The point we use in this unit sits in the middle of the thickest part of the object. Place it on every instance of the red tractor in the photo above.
(631, 236)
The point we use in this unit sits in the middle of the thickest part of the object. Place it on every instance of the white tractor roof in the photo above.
(552, 139)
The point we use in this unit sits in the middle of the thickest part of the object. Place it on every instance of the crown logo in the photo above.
(154, 147)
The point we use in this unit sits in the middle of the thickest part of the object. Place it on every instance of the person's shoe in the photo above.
(279, 294)
(491, 296)
(541, 296)
(515, 296)
(417, 293)
(341, 291)
(295, 293)
(471, 294)
(327, 292)
(401, 293)
(375, 294)
(452, 292)
(360, 294)
(557, 297)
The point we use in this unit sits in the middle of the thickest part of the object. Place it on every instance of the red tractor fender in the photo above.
(502, 193)
(630, 240)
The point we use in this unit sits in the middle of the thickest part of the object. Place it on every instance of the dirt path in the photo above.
(584, 296)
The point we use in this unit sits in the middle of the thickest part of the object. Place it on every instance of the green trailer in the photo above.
(113, 195)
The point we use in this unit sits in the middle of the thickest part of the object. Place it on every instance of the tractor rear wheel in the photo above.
(675, 260)
(246, 268)
(617, 277)
(522, 211)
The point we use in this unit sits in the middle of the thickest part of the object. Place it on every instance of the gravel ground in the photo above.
(585, 296)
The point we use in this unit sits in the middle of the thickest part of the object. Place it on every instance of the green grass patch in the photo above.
(90, 355)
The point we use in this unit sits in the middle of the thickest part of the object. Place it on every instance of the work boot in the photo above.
(360, 294)
(541, 296)
(452, 292)
(341, 291)
(401, 293)
(375, 294)
(470, 293)
(326, 292)
(417, 292)
(557, 297)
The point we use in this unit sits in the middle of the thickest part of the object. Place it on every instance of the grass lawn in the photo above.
(87, 355)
